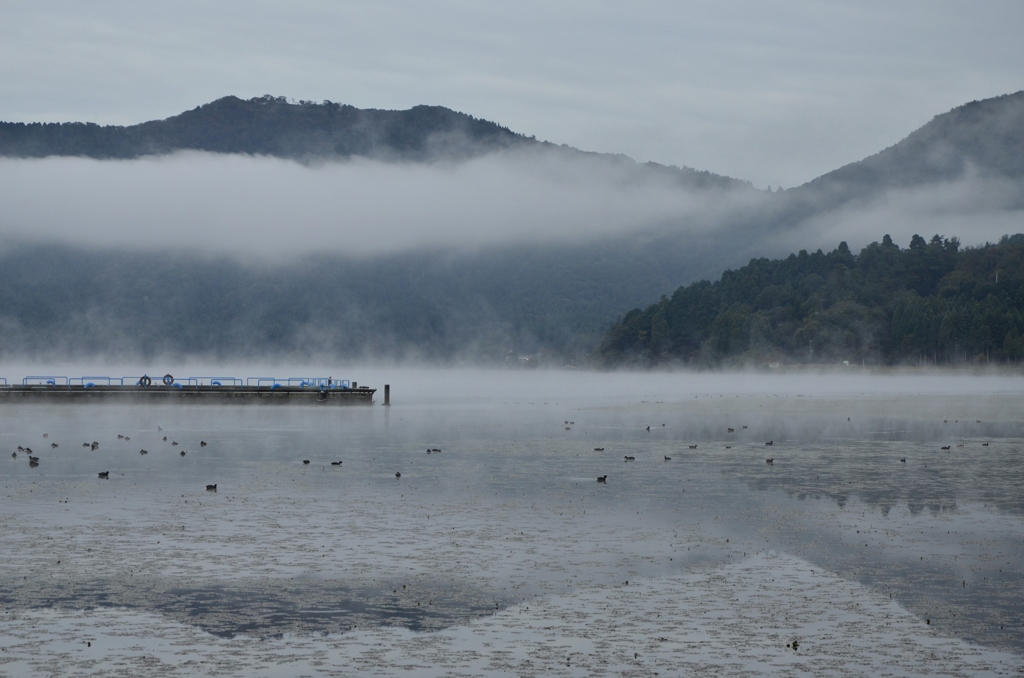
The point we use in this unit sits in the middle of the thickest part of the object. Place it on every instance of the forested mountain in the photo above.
(307, 132)
(555, 298)
(931, 303)
(269, 126)
(549, 302)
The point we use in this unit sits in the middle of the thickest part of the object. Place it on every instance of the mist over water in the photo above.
(503, 527)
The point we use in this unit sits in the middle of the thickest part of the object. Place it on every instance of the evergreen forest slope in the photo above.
(931, 303)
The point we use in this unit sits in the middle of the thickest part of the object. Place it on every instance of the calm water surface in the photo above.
(509, 510)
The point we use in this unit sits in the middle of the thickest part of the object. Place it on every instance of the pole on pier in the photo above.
(387, 394)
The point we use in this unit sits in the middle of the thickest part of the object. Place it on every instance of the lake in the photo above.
(862, 547)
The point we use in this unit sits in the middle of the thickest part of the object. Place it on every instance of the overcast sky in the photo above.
(773, 92)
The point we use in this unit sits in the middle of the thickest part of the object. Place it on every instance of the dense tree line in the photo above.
(931, 303)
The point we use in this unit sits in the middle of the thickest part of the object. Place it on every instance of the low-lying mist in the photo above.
(267, 207)
(534, 252)
(975, 209)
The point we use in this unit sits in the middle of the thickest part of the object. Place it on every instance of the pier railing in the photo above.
(198, 382)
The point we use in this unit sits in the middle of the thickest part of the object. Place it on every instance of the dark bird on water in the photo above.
(54, 445)
(770, 442)
(598, 449)
(20, 448)
(732, 430)
(104, 474)
(984, 444)
(202, 443)
(28, 450)
(305, 461)
(398, 474)
(628, 458)
(211, 488)
(183, 453)
(335, 463)
(770, 461)
(668, 458)
(165, 438)
(602, 479)
(85, 444)
(903, 461)
(143, 452)
(33, 459)
(14, 455)
(32, 464)
(946, 447)
(174, 443)
(693, 447)
(47, 435)
(95, 445)
(648, 428)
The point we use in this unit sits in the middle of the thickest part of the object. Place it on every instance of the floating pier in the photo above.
(144, 388)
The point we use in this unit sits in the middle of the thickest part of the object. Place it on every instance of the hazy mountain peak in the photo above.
(985, 136)
(273, 126)
(309, 131)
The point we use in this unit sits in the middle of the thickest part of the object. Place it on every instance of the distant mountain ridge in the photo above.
(306, 131)
(553, 300)
(986, 137)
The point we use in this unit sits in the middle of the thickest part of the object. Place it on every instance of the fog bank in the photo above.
(267, 207)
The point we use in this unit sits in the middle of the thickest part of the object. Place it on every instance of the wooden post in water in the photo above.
(387, 394)
(355, 384)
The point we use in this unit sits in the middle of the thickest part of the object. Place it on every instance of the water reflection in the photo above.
(511, 509)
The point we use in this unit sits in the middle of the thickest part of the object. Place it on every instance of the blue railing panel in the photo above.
(46, 380)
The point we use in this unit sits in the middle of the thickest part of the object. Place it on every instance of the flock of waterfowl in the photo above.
(33, 461)
(94, 445)
(768, 443)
